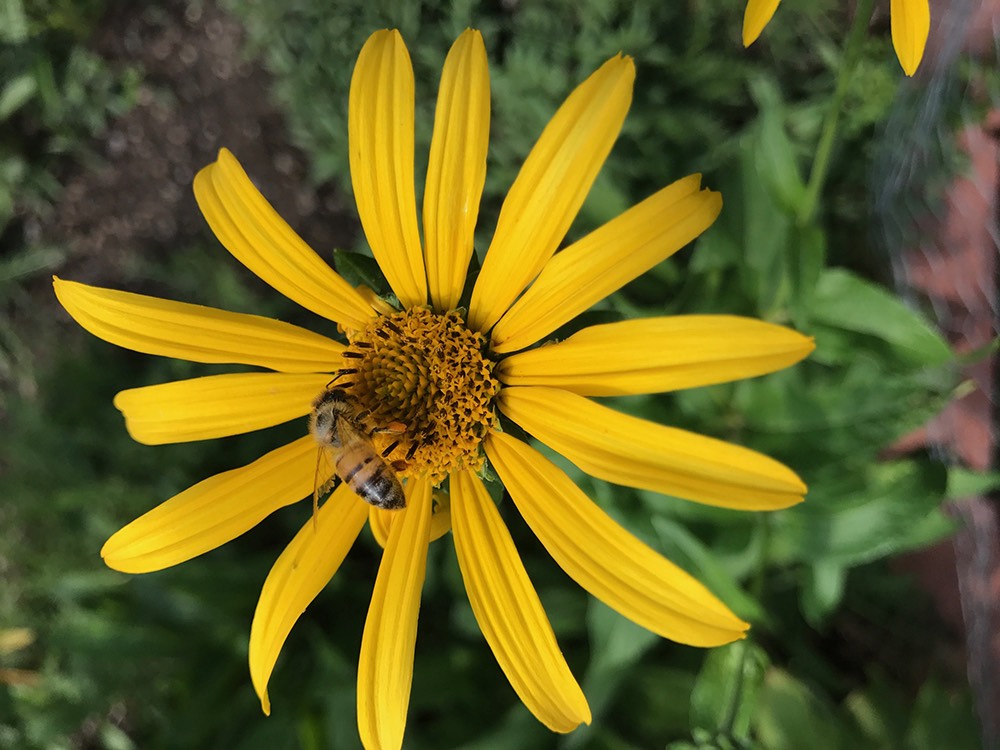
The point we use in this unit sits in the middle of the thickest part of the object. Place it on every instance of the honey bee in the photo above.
(336, 425)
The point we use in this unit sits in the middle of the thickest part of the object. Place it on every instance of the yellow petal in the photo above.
(457, 168)
(757, 14)
(380, 520)
(607, 259)
(380, 136)
(302, 571)
(657, 354)
(15, 639)
(602, 557)
(195, 333)
(509, 612)
(250, 229)
(551, 187)
(911, 22)
(385, 671)
(638, 453)
(216, 406)
(441, 515)
(214, 511)
(378, 304)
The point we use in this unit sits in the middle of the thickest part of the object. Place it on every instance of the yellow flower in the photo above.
(443, 374)
(911, 22)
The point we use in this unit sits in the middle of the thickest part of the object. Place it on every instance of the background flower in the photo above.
(911, 21)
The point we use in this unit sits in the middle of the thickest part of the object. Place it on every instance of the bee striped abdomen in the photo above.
(351, 473)
(382, 490)
(371, 479)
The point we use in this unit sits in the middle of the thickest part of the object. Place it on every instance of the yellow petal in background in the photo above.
(214, 511)
(380, 138)
(456, 171)
(509, 612)
(757, 14)
(385, 670)
(634, 452)
(551, 187)
(380, 521)
(911, 22)
(217, 405)
(657, 355)
(302, 571)
(606, 259)
(195, 333)
(250, 229)
(603, 558)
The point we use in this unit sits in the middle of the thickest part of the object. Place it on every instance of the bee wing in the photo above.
(325, 474)
(349, 435)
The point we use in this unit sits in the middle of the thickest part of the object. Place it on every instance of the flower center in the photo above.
(425, 372)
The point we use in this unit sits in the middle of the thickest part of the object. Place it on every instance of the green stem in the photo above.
(821, 161)
(757, 591)
(729, 723)
(760, 570)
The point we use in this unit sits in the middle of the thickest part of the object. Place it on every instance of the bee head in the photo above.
(326, 412)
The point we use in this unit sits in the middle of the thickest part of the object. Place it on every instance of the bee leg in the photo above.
(316, 487)
(393, 428)
(321, 488)
(401, 464)
(341, 373)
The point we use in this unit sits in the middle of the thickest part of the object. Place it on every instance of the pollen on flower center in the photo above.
(426, 371)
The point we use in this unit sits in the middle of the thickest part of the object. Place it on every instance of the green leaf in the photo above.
(653, 702)
(28, 261)
(13, 22)
(842, 300)
(725, 694)
(851, 518)
(814, 417)
(823, 591)
(16, 93)
(775, 153)
(790, 716)
(517, 730)
(617, 644)
(113, 738)
(879, 714)
(807, 261)
(766, 233)
(967, 483)
(943, 718)
(360, 269)
(690, 553)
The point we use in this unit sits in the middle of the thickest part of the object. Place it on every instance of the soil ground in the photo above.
(199, 94)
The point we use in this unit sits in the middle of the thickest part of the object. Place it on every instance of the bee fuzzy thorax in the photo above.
(326, 410)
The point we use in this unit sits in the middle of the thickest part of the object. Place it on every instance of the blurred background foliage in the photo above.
(844, 652)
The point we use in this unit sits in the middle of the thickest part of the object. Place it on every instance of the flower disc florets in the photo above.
(427, 372)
